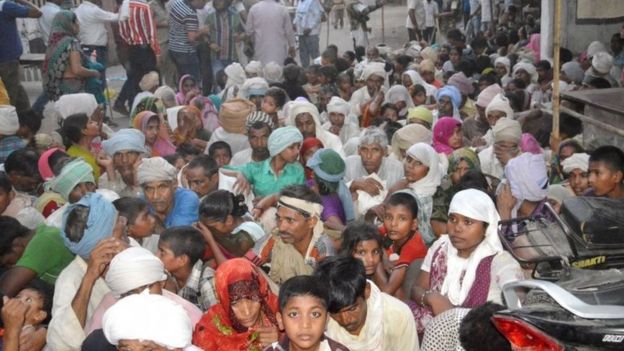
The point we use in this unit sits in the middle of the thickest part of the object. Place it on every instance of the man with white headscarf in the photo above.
(340, 122)
(235, 79)
(273, 72)
(253, 69)
(374, 74)
(575, 168)
(507, 134)
(172, 205)
(526, 72)
(150, 321)
(305, 116)
(525, 187)
(122, 151)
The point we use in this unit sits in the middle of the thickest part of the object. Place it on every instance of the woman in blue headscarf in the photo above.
(449, 101)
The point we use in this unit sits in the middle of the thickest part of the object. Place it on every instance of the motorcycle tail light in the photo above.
(525, 337)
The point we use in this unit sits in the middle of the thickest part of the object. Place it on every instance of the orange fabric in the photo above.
(412, 250)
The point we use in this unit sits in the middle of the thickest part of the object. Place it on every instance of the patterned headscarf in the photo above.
(329, 168)
(463, 154)
(73, 173)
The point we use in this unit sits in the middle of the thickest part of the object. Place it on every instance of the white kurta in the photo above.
(270, 26)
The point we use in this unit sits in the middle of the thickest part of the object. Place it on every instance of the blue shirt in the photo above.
(10, 43)
(185, 210)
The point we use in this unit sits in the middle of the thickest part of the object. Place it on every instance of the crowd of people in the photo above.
(348, 200)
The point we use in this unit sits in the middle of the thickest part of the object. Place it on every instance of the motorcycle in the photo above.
(576, 299)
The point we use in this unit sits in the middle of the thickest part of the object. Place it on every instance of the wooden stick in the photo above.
(383, 26)
(556, 70)
(327, 37)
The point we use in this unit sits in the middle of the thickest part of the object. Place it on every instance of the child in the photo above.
(176, 160)
(30, 123)
(606, 171)
(313, 87)
(221, 152)
(303, 303)
(228, 228)
(361, 240)
(140, 222)
(181, 249)
(30, 309)
(404, 244)
(455, 56)
(273, 101)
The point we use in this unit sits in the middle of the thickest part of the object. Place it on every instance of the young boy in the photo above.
(606, 171)
(313, 87)
(303, 302)
(181, 249)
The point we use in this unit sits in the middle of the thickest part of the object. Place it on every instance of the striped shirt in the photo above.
(182, 20)
(139, 28)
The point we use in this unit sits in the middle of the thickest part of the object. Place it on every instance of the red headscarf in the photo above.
(218, 329)
(307, 144)
(442, 131)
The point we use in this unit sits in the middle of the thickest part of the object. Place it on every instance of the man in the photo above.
(202, 175)
(371, 159)
(173, 206)
(226, 31)
(160, 10)
(374, 74)
(606, 172)
(123, 152)
(362, 317)
(358, 16)
(258, 134)
(299, 243)
(80, 288)
(93, 34)
(184, 35)
(48, 11)
(308, 25)
(21, 167)
(139, 32)
(9, 125)
(415, 21)
(305, 116)
(11, 49)
(271, 30)
(339, 122)
(507, 133)
(526, 187)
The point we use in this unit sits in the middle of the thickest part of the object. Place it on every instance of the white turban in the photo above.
(602, 63)
(133, 268)
(576, 161)
(338, 105)
(595, 47)
(149, 81)
(507, 129)
(273, 72)
(254, 67)
(528, 68)
(9, 123)
(374, 68)
(148, 317)
(527, 177)
(166, 95)
(156, 169)
(500, 103)
(72, 104)
(503, 60)
(235, 74)
(254, 86)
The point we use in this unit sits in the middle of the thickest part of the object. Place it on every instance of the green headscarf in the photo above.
(148, 103)
(463, 154)
(73, 173)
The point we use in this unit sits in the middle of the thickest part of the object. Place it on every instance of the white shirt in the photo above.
(431, 9)
(390, 170)
(48, 11)
(93, 21)
(308, 16)
(419, 8)
(240, 158)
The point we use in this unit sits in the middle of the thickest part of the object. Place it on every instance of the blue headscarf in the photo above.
(128, 139)
(282, 138)
(316, 164)
(100, 224)
(453, 93)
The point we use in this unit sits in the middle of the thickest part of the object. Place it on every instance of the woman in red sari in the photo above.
(244, 319)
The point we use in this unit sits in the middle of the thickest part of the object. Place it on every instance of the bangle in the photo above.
(422, 298)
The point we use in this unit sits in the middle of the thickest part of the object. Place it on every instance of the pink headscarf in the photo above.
(442, 131)
(534, 45)
(44, 163)
(162, 146)
(528, 143)
(180, 95)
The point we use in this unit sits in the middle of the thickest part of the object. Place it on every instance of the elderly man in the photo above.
(305, 116)
(172, 205)
(374, 74)
(339, 122)
(123, 152)
(258, 132)
(371, 159)
(507, 133)
(299, 242)
(89, 231)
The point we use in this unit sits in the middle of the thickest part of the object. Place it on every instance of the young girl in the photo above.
(466, 267)
(361, 240)
(404, 244)
(80, 131)
(140, 222)
(274, 100)
(228, 228)
(186, 85)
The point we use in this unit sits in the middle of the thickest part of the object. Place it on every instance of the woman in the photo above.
(309, 148)
(244, 319)
(190, 128)
(455, 270)
(50, 164)
(156, 136)
(400, 98)
(449, 101)
(80, 130)
(63, 71)
(411, 77)
(148, 103)
(447, 135)
(186, 87)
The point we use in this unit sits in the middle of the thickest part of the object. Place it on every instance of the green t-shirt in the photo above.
(264, 181)
(46, 254)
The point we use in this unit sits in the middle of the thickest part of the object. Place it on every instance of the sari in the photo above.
(219, 329)
(162, 146)
(442, 132)
(62, 42)
(180, 95)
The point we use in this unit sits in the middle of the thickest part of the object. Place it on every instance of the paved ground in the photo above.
(395, 36)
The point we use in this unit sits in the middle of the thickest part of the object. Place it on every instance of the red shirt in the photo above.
(412, 250)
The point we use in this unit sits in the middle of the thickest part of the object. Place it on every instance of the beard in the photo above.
(260, 154)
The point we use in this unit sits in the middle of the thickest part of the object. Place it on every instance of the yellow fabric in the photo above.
(77, 151)
(4, 96)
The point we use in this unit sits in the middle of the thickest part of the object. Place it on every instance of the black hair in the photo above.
(403, 199)
(279, 95)
(303, 285)
(76, 223)
(501, 39)
(356, 232)
(46, 294)
(477, 333)
(73, 126)
(404, 60)
(30, 119)
(130, 207)
(328, 90)
(5, 183)
(489, 78)
(415, 89)
(610, 155)
(351, 55)
(519, 83)
(360, 51)
(599, 83)
(456, 34)
(54, 161)
(23, 162)
(570, 125)
(578, 148)
(330, 55)
(219, 145)
(473, 179)
(467, 67)
(11, 229)
(221, 203)
(345, 276)
(301, 192)
(187, 149)
(330, 72)
(291, 73)
(387, 105)
(289, 61)
(341, 65)
(479, 42)
(482, 63)
(345, 76)
(513, 37)
(184, 240)
(206, 162)
(314, 69)
(456, 49)
(565, 55)
(543, 64)
(515, 101)
(173, 158)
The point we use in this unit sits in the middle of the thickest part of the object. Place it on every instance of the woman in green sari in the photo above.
(63, 71)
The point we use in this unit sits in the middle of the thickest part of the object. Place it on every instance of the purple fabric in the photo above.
(528, 143)
(332, 206)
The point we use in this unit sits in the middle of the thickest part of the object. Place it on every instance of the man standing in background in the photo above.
(48, 10)
(308, 25)
(184, 35)
(167, 68)
(271, 30)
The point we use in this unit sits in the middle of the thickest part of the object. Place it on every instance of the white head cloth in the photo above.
(273, 72)
(576, 161)
(133, 268)
(424, 153)
(148, 317)
(9, 123)
(338, 105)
(254, 67)
(156, 169)
(235, 74)
(311, 209)
(527, 177)
(476, 205)
(500, 103)
(72, 104)
(399, 93)
(374, 68)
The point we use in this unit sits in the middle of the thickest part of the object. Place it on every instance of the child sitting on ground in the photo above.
(140, 222)
(361, 240)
